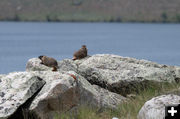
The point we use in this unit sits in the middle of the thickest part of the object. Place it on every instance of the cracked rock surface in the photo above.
(16, 89)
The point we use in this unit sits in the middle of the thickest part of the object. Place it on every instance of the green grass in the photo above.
(128, 110)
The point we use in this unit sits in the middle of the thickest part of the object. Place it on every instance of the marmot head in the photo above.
(40, 57)
(83, 46)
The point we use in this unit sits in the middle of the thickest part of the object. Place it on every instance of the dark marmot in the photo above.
(49, 61)
(81, 53)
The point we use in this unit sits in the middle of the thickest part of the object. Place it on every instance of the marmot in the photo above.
(49, 61)
(81, 53)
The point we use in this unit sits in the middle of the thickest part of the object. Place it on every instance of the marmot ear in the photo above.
(40, 57)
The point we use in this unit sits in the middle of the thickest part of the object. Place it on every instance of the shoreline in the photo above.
(86, 21)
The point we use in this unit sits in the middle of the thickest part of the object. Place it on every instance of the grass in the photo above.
(128, 110)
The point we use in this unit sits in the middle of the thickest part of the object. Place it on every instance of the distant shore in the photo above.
(89, 21)
(91, 11)
(68, 18)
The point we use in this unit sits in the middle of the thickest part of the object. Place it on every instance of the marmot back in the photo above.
(81, 53)
(49, 61)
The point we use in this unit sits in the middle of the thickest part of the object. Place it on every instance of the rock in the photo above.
(67, 65)
(97, 96)
(118, 74)
(15, 90)
(115, 118)
(155, 108)
(63, 92)
(58, 95)
(1, 77)
(34, 64)
(125, 75)
(80, 82)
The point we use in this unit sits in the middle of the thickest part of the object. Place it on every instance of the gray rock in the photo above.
(155, 108)
(118, 74)
(79, 82)
(15, 90)
(125, 75)
(1, 77)
(62, 92)
(67, 65)
(2, 94)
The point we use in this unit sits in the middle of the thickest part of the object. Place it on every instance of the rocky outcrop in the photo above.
(15, 90)
(118, 74)
(125, 75)
(155, 108)
(95, 80)
(62, 92)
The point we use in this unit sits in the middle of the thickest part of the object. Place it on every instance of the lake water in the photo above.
(21, 41)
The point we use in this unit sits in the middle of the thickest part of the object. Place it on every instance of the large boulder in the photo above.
(118, 74)
(122, 75)
(41, 94)
(64, 91)
(155, 108)
(15, 90)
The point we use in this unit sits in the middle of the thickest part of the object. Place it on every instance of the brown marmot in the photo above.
(81, 53)
(49, 61)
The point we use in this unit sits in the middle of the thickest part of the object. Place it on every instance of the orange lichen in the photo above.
(74, 77)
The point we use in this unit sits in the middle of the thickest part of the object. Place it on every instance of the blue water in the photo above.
(21, 41)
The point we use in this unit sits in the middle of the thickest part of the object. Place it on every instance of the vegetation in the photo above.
(164, 17)
(127, 110)
(91, 10)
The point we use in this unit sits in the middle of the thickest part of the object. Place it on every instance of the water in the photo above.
(22, 41)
